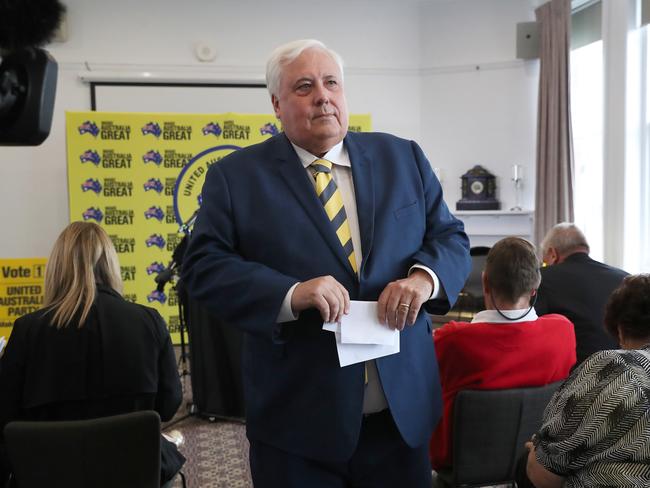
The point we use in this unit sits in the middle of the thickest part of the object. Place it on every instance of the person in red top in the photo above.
(505, 346)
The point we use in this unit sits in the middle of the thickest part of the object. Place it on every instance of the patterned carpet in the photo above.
(216, 451)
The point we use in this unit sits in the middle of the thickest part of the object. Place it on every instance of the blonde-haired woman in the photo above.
(88, 352)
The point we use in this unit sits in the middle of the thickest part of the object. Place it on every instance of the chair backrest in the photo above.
(490, 428)
(123, 450)
(473, 285)
(470, 298)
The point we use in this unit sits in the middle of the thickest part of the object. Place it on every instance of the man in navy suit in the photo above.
(268, 257)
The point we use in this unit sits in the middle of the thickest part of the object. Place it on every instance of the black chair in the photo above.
(470, 298)
(123, 450)
(490, 428)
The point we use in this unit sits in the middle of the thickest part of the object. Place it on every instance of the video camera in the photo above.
(27, 73)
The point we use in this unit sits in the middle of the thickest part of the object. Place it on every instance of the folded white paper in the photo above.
(361, 326)
(361, 337)
(332, 326)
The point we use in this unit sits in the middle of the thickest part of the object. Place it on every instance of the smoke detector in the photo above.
(204, 52)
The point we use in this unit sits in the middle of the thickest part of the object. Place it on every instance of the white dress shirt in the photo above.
(514, 316)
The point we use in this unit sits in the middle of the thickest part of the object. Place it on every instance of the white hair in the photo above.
(286, 53)
(566, 238)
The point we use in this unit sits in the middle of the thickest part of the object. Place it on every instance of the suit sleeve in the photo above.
(169, 394)
(243, 293)
(445, 247)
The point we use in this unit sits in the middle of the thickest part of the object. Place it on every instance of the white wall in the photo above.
(396, 53)
(479, 102)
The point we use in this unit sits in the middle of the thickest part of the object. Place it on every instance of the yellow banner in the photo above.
(21, 289)
(139, 175)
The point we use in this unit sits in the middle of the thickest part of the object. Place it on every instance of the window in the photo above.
(644, 170)
(637, 165)
(587, 121)
(630, 158)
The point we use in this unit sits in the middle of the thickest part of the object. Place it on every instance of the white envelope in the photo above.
(364, 326)
(361, 326)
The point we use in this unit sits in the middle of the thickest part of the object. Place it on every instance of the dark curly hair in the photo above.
(629, 307)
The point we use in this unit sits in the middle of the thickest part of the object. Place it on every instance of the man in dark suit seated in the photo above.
(289, 232)
(577, 287)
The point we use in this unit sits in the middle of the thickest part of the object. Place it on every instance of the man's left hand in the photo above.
(400, 302)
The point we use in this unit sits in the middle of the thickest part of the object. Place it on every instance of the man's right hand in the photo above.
(325, 294)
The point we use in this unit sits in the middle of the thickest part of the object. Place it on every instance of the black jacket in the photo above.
(120, 361)
(579, 288)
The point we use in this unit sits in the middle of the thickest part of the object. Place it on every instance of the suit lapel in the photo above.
(364, 190)
(297, 179)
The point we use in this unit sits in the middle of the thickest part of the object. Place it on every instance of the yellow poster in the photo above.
(139, 175)
(21, 289)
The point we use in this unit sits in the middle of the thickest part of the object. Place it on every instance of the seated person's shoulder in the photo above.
(632, 359)
(602, 357)
(598, 379)
(555, 319)
(143, 310)
(25, 321)
(119, 305)
(454, 325)
(615, 365)
(453, 328)
(556, 277)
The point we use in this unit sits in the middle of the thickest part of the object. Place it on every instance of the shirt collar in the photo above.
(337, 155)
(492, 316)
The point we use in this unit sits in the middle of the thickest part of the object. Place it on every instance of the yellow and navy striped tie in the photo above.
(330, 197)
